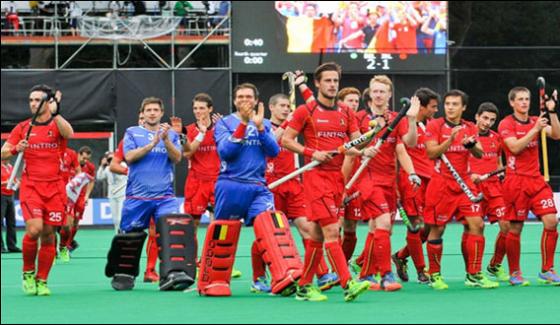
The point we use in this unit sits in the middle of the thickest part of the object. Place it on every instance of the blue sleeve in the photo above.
(176, 140)
(128, 143)
(269, 143)
(228, 148)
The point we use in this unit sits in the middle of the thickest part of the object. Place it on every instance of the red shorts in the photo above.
(413, 200)
(524, 193)
(289, 198)
(378, 200)
(45, 200)
(323, 194)
(199, 193)
(353, 211)
(493, 206)
(445, 200)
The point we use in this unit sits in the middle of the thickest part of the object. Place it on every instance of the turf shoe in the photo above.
(550, 278)
(480, 280)
(354, 288)
(327, 281)
(389, 283)
(401, 265)
(42, 289)
(235, 273)
(436, 282)
(373, 283)
(29, 283)
(423, 278)
(151, 276)
(354, 266)
(310, 293)
(517, 280)
(261, 286)
(64, 255)
(498, 272)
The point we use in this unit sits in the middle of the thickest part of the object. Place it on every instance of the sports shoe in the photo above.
(401, 266)
(73, 246)
(353, 266)
(260, 286)
(151, 276)
(550, 278)
(373, 283)
(310, 293)
(389, 283)
(480, 280)
(327, 281)
(64, 255)
(235, 273)
(436, 282)
(355, 288)
(423, 278)
(42, 289)
(517, 280)
(122, 282)
(29, 283)
(498, 272)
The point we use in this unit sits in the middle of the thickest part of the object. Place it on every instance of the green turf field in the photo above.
(81, 294)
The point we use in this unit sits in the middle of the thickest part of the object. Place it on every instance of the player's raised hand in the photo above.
(258, 118)
(177, 124)
(300, 77)
(246, 111)
(164, 131)
(53, 103)
(414, 108)
(202, 127)
(552, 101)
(454, 132)
(542, 122)
(216, 117)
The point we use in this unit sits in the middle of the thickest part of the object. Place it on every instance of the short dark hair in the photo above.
(513, 92)
(203, 97)
(487, 107)
(85, 149)
(457, 93)
(425, 95)
(244, 86)
(275, 98)
(329, 66)
(151, 100)
(44, 88)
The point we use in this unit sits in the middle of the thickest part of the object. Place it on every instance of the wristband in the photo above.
(200, 137)
(308, 152)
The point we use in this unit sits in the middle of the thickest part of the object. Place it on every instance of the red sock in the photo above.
(414, 247)
(47, 253)
(360, 259)
(322, 268)
(73, 231)
(338, 263)
(403, 253)
(548, 247)
(152, 253)
(513, 251)
(475, 252)
(64, 235)
(382, 250)
(464, 250)
(29, 252)
(349, 244)
(313, 251)
(369, 265)
(499, 249)
(435, 250)
(259, 267)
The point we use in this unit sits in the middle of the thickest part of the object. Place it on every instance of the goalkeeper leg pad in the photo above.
(177, 251)
(273, 235)
(123, 259)
(217, 258)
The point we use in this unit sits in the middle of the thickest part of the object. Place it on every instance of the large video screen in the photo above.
(362, 36)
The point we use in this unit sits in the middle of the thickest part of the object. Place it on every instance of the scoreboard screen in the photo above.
(362, 36)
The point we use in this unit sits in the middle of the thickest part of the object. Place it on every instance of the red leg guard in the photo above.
(272, 232)
(217, 258)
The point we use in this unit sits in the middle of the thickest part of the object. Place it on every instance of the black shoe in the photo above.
(73, 246)
(175, 281)
(4, 251)
(122, 282)
(423, 278)
(14, 250)
(401, 266)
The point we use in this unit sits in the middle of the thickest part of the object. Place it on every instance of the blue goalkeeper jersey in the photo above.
(151, 177)
(244, 159)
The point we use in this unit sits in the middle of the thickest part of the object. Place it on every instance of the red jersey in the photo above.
(69, 164)
(281, 165)
(383, 166)
(525, 163)
(423, 165)
(7, 170)
(205, 163)
(88, 168)
(439, 130)
(43, 156)
(324, 129)
(492, 146)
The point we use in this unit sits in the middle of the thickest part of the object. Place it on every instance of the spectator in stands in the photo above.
(8, 210)
(12, 17)
(114, 8)
(74, 12)
(139, 8)
(181, 10)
